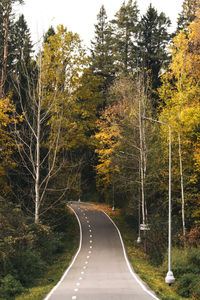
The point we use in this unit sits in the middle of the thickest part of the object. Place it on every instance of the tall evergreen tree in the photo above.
(102, 49)
(125, 25)
(50, 32)
(6, 20)
(22, 64)
(153, 41)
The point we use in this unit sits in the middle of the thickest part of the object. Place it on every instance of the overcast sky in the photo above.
(81, 15)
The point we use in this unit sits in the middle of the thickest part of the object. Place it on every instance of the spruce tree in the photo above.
(50, 32)
(6, 17)
(22, 62)
(102, 50)
(125, 26)
(153, 41)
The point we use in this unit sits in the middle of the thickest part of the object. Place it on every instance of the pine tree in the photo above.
(102, 50)
(125, 25)
(50, 32)
(6, 20)
(153, 41)
(22, 62)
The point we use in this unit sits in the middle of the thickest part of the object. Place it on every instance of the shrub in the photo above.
(186, 284)
(186, 268)
(29, 266)
(10, 287)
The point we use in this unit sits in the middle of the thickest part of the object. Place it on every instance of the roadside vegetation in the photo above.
(36, 263)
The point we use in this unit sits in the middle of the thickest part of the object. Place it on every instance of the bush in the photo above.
(186, 268)
(29, 266)
(10, 287)
(186, 284)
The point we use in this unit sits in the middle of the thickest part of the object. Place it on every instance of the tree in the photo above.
(102, 61)
(121, 141)
(5, 15)
(22, 63)
(43, 141)
(50, 32)
(125, 26)
(188, 14)
(153, 41)
(7, 143)
(180, 92)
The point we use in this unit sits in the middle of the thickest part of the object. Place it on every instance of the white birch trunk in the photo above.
(182, 185)
(181, 164)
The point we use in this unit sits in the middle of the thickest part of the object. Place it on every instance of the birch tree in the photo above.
(180, 92)
(41, 141)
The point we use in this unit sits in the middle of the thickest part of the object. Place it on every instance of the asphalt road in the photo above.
(100, 269)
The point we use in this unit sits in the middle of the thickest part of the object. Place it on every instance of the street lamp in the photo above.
(169, 279)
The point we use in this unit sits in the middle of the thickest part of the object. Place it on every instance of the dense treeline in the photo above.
(72, 126)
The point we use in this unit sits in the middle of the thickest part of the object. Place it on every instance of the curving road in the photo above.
(100, 269)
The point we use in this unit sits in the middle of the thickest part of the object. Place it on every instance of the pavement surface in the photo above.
(100, 269)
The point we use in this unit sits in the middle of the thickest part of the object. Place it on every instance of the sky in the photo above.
(80, 15)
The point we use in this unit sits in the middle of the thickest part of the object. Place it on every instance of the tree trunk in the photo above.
(181, 164)
(5, 54)
(37, 173)
(182, 184)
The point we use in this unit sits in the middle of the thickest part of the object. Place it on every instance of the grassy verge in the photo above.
(42, 286)
(153, 276)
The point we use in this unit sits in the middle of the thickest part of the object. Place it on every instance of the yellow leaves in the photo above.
(63, 60)
(181, 93)
(7, 143)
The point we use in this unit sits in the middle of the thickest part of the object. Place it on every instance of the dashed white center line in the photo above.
(90, 235)
(84, 267)
(75, 290)
(90, 247)
(78, 283)
(88, 221)
(74, 297)
(88, 257)
(80, 278)
(90, 241)
(82, 272)
(89, 252)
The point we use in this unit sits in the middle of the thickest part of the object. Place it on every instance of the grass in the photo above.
(42, 286)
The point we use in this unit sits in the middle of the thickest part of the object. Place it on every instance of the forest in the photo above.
(90, 125)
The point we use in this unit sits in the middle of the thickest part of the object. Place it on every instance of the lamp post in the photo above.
(169, 279)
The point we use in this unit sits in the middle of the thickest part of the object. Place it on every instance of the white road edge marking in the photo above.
(65, 273)
(128, 263)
